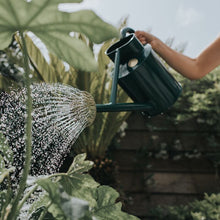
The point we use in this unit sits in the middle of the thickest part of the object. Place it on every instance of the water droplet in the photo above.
(60, 113)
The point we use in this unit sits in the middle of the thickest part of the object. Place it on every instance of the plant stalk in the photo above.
(28, 135)
(44, 212)
(27, 195)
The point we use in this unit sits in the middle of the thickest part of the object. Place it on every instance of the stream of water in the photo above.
(60, 113)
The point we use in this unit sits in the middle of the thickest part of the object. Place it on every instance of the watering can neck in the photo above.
(129, 46)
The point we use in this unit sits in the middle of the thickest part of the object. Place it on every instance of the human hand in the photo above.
(145, 37)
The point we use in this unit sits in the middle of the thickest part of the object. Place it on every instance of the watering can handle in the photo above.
(126, 30)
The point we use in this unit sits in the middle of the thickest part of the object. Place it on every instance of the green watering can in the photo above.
(142, 76)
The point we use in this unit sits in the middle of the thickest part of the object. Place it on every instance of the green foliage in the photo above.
(43, 71)
(71, 195)
(206, 209)
(96, 139)
(75, 195)
(200, 100)
(62, 204)
(53, 27)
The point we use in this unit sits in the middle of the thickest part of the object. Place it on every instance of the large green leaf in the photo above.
(106, 207)
(50, 70)
(62, 204)
(43, 68)
(70, 49)
(53, 27)
(77, 183)
(61, 195)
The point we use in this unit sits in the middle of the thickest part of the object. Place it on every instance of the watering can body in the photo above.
(143, 76)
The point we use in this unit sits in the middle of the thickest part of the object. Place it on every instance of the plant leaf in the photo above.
(80, 186)
(107, 208)
(63, 204)
(73, 208)
(44, 69)
(70, 49)
(50, 187)
(43, 18)
(80, 165)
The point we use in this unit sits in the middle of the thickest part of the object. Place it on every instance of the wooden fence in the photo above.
(148, 181)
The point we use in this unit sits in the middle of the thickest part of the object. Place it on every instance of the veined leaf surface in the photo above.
(53, 27)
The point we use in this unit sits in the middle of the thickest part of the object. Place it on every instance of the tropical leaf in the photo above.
(62, 204)
(43, 70)
(106, 207)
(65, 75)
(50, 70)
(76, 195)
(52, 26)
(77, 183)
(70, 49)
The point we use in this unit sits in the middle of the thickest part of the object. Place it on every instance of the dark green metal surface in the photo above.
(148, 83)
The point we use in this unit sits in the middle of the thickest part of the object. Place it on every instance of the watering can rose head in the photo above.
(89, 107)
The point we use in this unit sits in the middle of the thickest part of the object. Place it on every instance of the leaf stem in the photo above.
(44, 212)
(27, 195)
(28, 135)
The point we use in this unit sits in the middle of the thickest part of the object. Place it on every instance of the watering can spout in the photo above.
(141, 74)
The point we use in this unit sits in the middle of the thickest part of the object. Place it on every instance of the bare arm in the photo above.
(191, 68)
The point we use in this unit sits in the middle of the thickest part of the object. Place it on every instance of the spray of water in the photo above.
(60, 113)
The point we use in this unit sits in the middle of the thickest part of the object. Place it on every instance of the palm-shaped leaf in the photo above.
(53, 27)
